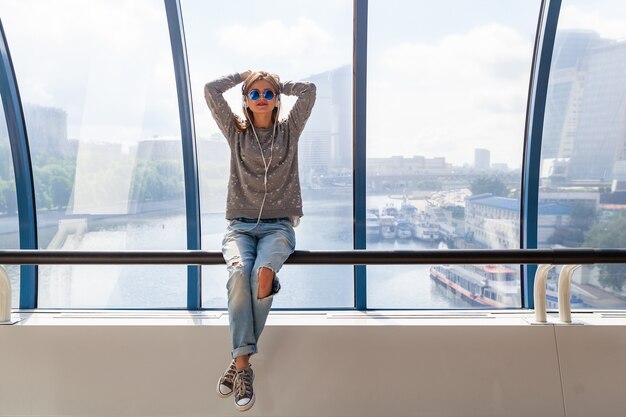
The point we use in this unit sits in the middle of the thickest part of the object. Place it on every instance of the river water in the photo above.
(327, 225)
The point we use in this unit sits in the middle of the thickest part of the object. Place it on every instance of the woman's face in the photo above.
(262, 104)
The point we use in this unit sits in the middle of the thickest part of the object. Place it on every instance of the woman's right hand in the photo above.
(245, 74)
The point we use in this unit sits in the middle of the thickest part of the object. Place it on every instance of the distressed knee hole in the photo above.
(235, 265)
(266, 279)
(266, 270)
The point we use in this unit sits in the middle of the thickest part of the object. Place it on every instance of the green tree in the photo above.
(4, 191)
(54, 179)
(583, 216)
(60, 190)
(610, 234)
(489, 184)
(5, 160)
(157, 180)
(42, 194)
(572, 234)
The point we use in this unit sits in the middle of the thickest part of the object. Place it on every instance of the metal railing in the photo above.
(546, 258)
(303, 257)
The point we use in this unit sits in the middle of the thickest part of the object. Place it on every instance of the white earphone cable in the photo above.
(267, 164)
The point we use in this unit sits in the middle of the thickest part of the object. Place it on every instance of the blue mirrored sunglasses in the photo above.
(256, 94)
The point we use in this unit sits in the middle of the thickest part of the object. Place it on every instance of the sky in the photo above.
(444, 77)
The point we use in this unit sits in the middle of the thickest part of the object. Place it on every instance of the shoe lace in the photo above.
(244, 384)
(231, 372)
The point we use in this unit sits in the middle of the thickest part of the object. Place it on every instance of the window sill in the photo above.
(307, 318)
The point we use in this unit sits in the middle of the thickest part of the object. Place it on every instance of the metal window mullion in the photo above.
(20, 152)
(538, 91)
(188, 139)
(359, 95)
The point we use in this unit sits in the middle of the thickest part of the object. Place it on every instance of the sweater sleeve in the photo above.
(221, 111)
(301, 110)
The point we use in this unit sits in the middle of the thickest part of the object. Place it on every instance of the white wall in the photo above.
(340, 364)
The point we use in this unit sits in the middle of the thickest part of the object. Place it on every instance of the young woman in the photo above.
(264, 204)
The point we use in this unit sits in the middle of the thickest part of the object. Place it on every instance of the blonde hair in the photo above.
(243, 124)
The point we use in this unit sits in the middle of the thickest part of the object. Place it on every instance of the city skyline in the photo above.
(107, 95)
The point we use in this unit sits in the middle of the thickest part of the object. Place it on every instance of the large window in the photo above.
(9, 232)
(447, 88)
(97, 84)
(583, 167)
(310, 42)
(447, 91)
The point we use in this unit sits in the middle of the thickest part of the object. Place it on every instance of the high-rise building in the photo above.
(600, 137)
(326, 141)
(584, 137)
(564, 92)
(482, 159)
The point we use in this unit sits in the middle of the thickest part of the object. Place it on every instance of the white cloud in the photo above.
(447, 97)
(84, 25)
(303, 45)
(444, 97)
(107, 64)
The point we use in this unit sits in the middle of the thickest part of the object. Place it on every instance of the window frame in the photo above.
(544, 42)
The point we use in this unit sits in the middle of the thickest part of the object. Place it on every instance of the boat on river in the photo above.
(483, 285)
(388, 227)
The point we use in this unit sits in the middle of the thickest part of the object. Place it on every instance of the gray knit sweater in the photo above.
(245, 185)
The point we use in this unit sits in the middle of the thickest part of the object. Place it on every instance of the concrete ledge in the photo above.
(312, 364)
(452, 363)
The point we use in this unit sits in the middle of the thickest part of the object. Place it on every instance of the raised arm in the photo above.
(221, 111)
(301, 111)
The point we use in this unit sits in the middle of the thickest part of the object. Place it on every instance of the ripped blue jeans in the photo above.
(247, 248)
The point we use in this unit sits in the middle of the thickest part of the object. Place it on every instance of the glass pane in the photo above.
(97, 84)
(447, 96)
(9, 225)
(306, 41)
(583, 167)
